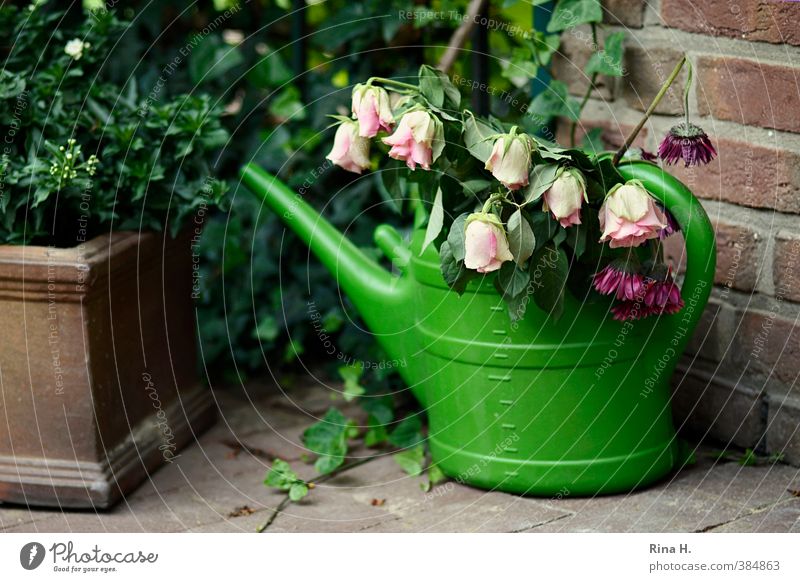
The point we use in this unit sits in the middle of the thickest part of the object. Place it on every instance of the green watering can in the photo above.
(578, 406)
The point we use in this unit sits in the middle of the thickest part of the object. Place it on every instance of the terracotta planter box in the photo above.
(98, 384)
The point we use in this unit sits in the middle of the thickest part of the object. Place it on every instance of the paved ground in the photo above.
(216, 486)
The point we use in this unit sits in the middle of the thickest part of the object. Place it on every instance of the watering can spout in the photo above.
(380, 297)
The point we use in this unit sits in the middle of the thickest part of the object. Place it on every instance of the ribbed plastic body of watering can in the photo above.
(578, 406)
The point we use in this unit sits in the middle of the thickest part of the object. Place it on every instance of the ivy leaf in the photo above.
(408, 433)
(351, 376)
(281, 476)
(328, 439)
(555, 101)
(548, 275)
(609, 60)
(297, 491)
(571, 13)
(435, 222)
(541, 178)
(411, 460)
(477, 137)
(431, 86)
(521, 240)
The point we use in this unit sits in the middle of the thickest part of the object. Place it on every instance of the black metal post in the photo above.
(299, 48)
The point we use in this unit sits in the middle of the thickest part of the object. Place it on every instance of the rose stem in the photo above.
(656, 100)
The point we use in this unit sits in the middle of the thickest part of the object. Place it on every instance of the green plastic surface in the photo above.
(578, 406)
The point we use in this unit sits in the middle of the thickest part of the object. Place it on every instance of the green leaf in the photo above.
(555, 101)
(571, 13)
(477, 137)
(521, 240)
(435, 474)
(408, 433)
(11, 84)
(541, 178)
(511, 281)
(548, 275)
(609, 60)
(297, 491)
(456, 237)
(280, 475)
(411, 460)
(431, 86)
(328, 439)
(287, 105)
(212, 58)
(435, 221)
(267, 330)
(474, 187)
(576, 238)
(351, 376)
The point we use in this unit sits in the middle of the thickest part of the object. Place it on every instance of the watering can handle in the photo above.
(391, 243)
(698, 233)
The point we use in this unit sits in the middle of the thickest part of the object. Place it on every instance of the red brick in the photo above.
(748, 175)
(786, 266)
(740, 256)
(749, 92)
(647, 69)
(570, 60)
(761, 20)
(769, 342)
(628, 13)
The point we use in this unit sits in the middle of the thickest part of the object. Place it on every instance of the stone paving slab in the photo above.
(216, 486)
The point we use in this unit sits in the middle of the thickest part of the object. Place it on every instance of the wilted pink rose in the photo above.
(372, 108)
(565, 196)
(350, 150)
(418, 139)
(629, 216)
(485, 243)
(510, 160)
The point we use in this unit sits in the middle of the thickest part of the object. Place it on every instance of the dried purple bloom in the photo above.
(629, 311)
(619, 278)
(688, 142)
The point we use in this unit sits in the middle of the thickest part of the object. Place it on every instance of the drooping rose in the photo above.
(629, 216)
(372, 107)
(485, 243)
(565, 196)
(510, 160)
(418, 139)
(350, 150)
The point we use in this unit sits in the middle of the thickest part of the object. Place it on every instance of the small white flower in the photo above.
(74, 48)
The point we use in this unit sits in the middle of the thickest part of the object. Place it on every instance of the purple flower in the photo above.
(688, 142)
(672, 224)
(617, 277)
(663, 297)
(629, 311)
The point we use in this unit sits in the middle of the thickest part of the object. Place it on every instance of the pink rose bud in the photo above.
(565, 196)
(629, 216)
(350, 150)
(371, 106)
(510, 160)
(418, 139)
(485, 243)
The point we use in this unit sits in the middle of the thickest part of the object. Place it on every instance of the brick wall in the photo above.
(739, 381)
